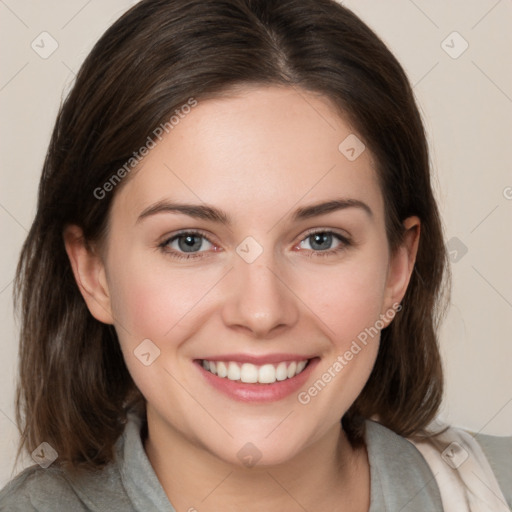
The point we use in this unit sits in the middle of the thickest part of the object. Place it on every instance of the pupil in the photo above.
(322, 236)
(190, 243)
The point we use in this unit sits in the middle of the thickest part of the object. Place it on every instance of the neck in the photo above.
(328, 474)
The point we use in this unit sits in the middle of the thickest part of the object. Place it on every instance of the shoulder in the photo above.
(468, 464)
(119, 486)
(394, 449)
(498, 451)
(35, 489)
(400, 477)
(385, 445)
(54, 489)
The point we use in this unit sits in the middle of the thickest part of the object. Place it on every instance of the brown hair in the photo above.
(74, 388)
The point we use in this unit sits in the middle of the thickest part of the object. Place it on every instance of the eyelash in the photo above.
(345, 242)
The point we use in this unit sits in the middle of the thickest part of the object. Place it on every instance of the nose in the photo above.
(260, 301)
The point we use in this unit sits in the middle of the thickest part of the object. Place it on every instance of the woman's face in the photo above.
(260, 293)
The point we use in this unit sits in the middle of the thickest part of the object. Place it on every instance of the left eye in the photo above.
(321, 240)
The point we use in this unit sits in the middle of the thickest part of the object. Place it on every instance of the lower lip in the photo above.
(244, 392)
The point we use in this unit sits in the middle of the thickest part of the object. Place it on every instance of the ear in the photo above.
(89, 271)
(402, 262)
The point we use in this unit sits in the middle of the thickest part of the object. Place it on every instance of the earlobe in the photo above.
(402, 262)
(89, 271)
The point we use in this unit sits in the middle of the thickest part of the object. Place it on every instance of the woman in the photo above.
(236, 247)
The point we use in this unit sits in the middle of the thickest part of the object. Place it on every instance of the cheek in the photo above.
(349, 306)
(347, 298)
(150, 301)
(348, 301)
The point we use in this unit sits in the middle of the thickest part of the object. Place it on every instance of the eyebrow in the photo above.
(211, 213)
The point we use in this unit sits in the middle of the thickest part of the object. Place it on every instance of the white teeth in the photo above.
(248, 373)
(222, 369)
(281, 371)
(267, 374)
(252, 374)
(233, 371)
(300, 366)
(292, 369)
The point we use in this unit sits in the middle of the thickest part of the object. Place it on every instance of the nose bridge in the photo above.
(260, 300)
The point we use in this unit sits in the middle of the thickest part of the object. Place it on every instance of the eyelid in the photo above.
(192, 231)
(343, 235)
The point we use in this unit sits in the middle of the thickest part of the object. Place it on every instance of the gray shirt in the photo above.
(401, 480)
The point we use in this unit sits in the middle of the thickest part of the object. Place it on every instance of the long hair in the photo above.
(74, 389)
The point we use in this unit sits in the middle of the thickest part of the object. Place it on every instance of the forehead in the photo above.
(257, 150)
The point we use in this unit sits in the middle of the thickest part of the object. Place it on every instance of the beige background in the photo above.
(467, 107)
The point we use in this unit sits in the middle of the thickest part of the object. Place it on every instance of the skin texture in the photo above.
(258, 155)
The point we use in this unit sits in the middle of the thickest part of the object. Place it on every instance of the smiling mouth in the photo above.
(255, 374)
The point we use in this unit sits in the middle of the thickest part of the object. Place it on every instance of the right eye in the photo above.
(185, 245)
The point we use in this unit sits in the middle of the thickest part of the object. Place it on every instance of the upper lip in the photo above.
(258, 359)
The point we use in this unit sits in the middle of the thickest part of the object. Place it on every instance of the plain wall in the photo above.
(466, 101)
